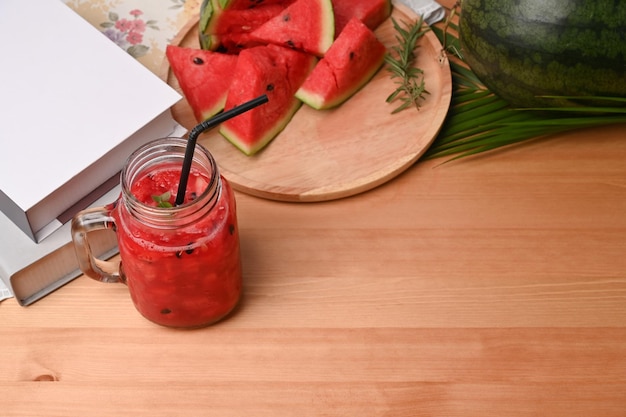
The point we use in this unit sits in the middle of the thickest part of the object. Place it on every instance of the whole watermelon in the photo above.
(524, 49)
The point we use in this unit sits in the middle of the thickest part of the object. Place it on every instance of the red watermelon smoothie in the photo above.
(181, 263)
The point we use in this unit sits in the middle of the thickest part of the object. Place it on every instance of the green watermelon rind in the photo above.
(318, 102)
(206, 11)
(212, 111)
(208, 14)
(210, 11)
(278, 127)
(328, 26)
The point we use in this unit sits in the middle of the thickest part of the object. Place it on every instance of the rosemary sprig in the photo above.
(450, 44)
(409, 78)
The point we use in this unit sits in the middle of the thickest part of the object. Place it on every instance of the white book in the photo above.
(73, 106)
(70, 103)
(33, 270)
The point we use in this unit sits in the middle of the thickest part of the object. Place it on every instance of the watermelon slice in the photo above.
(224, 18)
(350, 63)
(272, 70)
(306, 25)
(203, 76)
(229, 28)
(371, 12)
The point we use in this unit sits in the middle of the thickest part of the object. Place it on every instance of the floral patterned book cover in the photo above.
(143, 28)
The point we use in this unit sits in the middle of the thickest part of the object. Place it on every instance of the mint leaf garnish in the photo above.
(163, 200)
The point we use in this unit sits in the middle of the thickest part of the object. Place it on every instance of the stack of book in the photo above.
(73, 106)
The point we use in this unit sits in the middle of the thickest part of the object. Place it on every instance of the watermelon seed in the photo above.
(351, 55)
(166, 311)
(270, 87)
(189, 251)
(286, 18)
(198, 61)
(291, 44)
(231, 229)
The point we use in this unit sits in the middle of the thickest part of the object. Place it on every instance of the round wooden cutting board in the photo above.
(330, 154)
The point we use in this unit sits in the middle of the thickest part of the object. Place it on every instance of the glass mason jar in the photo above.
(182, 264)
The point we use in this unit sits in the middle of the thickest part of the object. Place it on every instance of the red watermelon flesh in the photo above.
(246, 20)
(217, 23)
(306, 25)
(371, 12)
(229, 30)
(350, 63)
(204, 78)
(272, 70)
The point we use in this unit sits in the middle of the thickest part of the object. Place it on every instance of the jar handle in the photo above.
(89, 220)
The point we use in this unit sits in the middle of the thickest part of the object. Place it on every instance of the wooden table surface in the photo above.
(490, 286)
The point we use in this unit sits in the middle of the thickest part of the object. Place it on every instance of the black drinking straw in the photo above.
(208, 124)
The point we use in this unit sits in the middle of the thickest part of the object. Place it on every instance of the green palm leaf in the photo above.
(479, 121)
